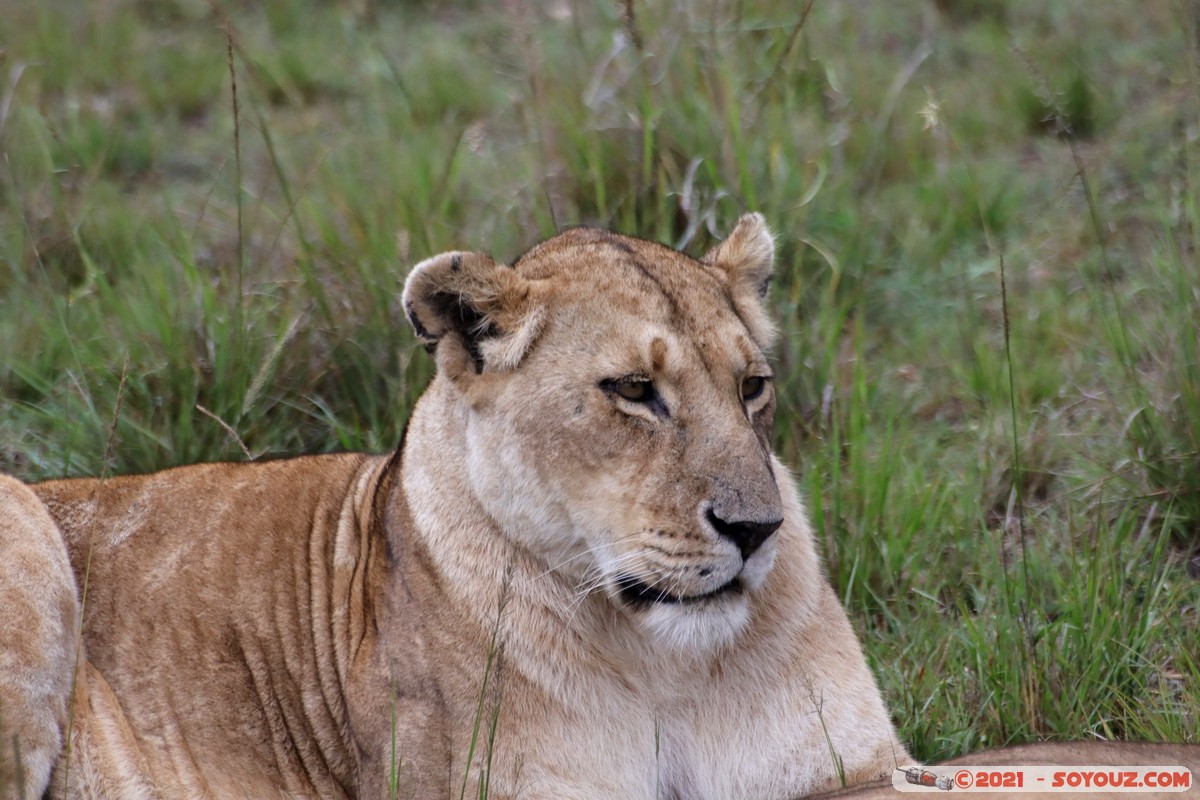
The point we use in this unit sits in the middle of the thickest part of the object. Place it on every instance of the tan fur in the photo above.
(312, 627)
(38, 621)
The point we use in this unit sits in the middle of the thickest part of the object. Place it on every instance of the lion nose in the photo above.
(748, 536)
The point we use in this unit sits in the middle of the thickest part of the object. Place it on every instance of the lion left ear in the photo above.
(747, 257)
(471, 313)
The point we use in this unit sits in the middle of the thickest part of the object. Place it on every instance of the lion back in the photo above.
(221, 576)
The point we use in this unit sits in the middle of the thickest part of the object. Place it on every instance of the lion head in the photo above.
(617, 408)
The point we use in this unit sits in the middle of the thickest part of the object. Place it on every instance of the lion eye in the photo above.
(753, 386)
(635, 391)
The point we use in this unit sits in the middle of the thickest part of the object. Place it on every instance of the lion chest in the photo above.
(677, 735)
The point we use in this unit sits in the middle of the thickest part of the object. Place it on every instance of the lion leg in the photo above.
(39, 612)
(103, 760)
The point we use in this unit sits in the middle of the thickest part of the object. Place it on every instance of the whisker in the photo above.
(577, 556)
(595, 579)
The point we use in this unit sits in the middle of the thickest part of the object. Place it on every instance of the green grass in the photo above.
(1010, 530)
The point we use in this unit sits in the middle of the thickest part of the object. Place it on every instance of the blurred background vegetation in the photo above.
(1015, 529)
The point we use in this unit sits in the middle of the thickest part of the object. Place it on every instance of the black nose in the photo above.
(748, 536)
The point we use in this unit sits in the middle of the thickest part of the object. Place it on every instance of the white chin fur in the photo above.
(697, 627)
(702, 627)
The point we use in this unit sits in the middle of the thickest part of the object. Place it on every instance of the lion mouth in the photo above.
(636, 593)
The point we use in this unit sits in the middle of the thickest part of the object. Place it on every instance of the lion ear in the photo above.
(747, 257)
(471, 312)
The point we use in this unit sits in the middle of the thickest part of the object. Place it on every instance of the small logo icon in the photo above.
(923, 777)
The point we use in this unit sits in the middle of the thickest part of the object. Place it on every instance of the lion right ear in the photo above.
(471, 312)
(747, 258)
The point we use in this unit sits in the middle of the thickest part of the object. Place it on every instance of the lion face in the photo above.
(618, 415)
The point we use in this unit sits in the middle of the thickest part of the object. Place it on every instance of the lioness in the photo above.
(583, 574)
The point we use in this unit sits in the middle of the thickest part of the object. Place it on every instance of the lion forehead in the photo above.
(651, 297)
(593, 261)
